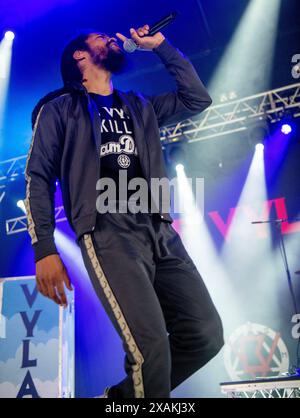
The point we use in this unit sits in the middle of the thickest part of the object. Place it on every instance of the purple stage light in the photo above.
(286, 129)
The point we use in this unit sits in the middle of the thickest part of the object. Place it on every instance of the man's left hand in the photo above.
(141, 39)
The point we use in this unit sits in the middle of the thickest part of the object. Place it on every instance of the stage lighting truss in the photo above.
(236, 115)
(11, 169)
(16, 225)
(280, 387)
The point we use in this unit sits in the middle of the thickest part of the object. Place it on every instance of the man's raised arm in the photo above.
(190, 96)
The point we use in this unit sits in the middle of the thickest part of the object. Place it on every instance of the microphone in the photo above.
(130, 46)
(275, 221)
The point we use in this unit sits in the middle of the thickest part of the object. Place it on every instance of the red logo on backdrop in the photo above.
(255, 350)
(262, 231)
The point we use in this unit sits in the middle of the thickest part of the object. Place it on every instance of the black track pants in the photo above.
(156, 300)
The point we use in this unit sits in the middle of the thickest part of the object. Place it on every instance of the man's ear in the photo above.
(78, 55)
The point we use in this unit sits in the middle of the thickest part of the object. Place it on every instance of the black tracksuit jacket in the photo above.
(66, 142)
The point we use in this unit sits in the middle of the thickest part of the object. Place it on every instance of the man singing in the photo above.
(140, 270)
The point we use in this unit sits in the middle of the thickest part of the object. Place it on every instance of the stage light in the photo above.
(259, 147)
(179, 168)
(286, 129)
(9, 35)
(21, 205)
(177, 154)
(258, 133)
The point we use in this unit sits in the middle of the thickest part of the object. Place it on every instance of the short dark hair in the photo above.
(68, 66)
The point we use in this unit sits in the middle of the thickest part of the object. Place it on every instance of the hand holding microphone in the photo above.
(146, 38)
(139, 40)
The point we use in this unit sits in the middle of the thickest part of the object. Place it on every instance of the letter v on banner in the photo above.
(281, 211)
(222, 226)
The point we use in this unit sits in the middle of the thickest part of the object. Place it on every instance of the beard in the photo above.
(113, 60)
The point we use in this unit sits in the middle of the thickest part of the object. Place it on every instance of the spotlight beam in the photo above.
(247, 62)
(5, 64)
(199, 243)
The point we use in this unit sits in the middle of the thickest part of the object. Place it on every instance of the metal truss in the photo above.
(16, 225)
(280, 387)
(11, 169)
(267, 394)
(236, 115)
